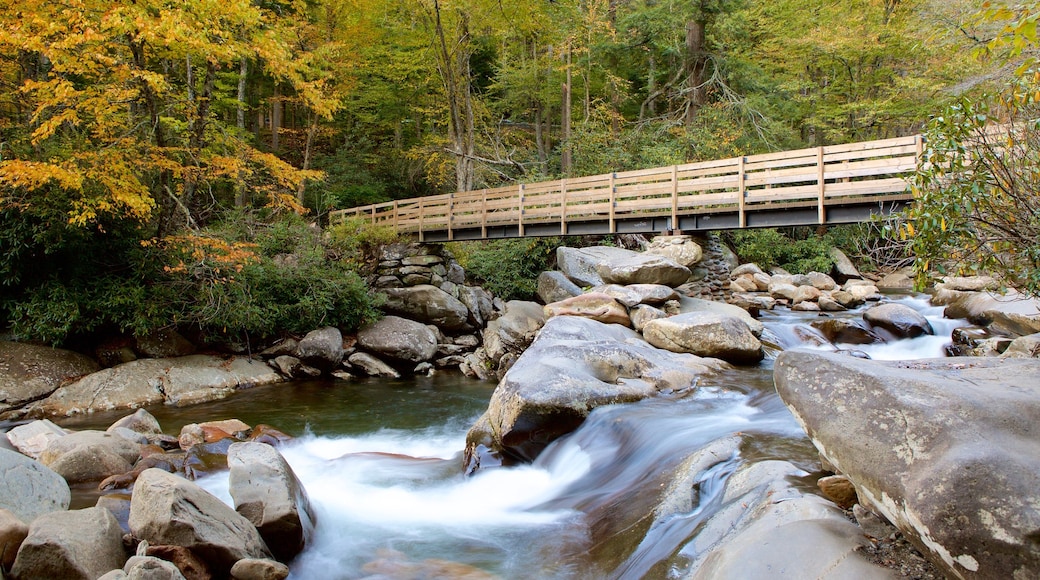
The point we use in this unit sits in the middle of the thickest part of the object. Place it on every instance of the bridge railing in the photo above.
(817, 177)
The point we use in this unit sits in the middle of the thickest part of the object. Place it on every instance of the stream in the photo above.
(382, 463)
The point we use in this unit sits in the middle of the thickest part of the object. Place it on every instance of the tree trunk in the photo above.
(276, 118)
(311, 131)
(456, 76)
(243, 70)
(696, 62)
(565, 158)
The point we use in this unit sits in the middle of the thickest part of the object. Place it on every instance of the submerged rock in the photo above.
(945, 449)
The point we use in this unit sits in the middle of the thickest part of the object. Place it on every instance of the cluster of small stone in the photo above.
(405, 265)
(710, 274)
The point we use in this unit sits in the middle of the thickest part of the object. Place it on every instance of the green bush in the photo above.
(770, 247)
(509, 269)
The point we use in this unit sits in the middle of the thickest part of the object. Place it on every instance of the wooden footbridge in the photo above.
(823, 185)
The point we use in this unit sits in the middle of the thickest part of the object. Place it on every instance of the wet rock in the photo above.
(555, 286)
(1024, 347)
(31, 489)
(399, 339)
(838, 489)
(180, 381)
(71, 545)
(321, 348)
(829, 304)
(429, 305)
(267, 492)
(287, 365)
(514, 330)
(190, 566)
(170, 510)
(205, 458)
(372, 366)
(681, 249)
(907, 435)
(140, 421)
(253, 569)
(575, 365)
(118, 504)
(705, 334)
(597, 306)
(29, 372)
(899, 319)
(687, 305)
(32, 438)
(90, 456)
(842, 331)
(13, 532)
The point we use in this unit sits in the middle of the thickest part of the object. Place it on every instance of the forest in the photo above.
(158, 160)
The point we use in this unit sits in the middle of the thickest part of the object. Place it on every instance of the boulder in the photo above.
(622, 294)
(321, 348)
(151, 568)
(253, 569)
(399, 339)
(605, 265)
(190, 566)
(514, 330)
(579, 264)
(29, 372)
(32, 438)
(705, 334)
(167, 509)
(643, 313)
(898, 280)
(899, 319)
(31, 489)
(843, 268)
(575, 365)
(968, 283)
(680, 249)
(908, 434)
(13, 532)
(429, 305)
(842, 331)
(180, 381)
(594, 305)
(782, 290)
(77, 544)
(863, 292)
(821, 281)
(267, 492)
(687, 305)
(479, 302)
(372, 366)
(163, 343)
(653, 294)
(1024, 347)
(749, 269)
(805, 294)
(555, 286)
(140, 421)
(90, 456)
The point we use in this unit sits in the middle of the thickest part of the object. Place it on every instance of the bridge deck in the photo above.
(823, 185)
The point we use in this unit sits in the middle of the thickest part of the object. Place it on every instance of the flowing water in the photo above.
(381, 462)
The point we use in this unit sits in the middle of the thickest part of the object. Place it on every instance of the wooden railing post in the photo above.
(613, 201)
(821, 185)
(483, 214)
(520, 211)
(422, 214)
(742, 219)
(451, 215)
(563, 207)
(675, 199)
(373, 214)
(397, 228)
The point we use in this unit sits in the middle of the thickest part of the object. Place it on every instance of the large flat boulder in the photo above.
(899, 319)
(321, 348)
(514, 330)
(946, 449)
(607, 265)
(429, 305)
(73, 545)
(594, 305)
(687, 304)
(31, 489)
(170, 510)
(29, 372)
(1011, 314)
(399, 339)
(178, 381)
(573, 366)
(681, 249)
(706, 334)
(555, 286)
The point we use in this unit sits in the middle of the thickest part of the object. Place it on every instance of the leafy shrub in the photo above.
(769, 247)
(509, 268)
(357, 240)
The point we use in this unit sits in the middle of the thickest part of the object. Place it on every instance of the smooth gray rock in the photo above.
(84, 456)
(514, 330)
(968, 283)
(579, 265)
(253, 569)
(749, 268)
(945, 449)
(140, 421)
(479, 303)
(1024, 347)
(595, 305)
(843, 331)
(899, 319)
(687, 305)
(170, 510)
(843, 269)
(321, 348)
(32, 438)
(575, 365)
(705, 334)
(151, 568)
(372, 366)
(555, 286)
(653, 294)
(31, 489)
(429, 305)
(29, 372)
(393, 337)
(643, 313)
(71, 545)
(178, 381)
(622, 294)
(164, 343)
(1011, 314)
(643, 269)
(267, 492)
(681, 249)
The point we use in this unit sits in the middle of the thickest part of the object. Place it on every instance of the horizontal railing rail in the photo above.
(872, 172)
